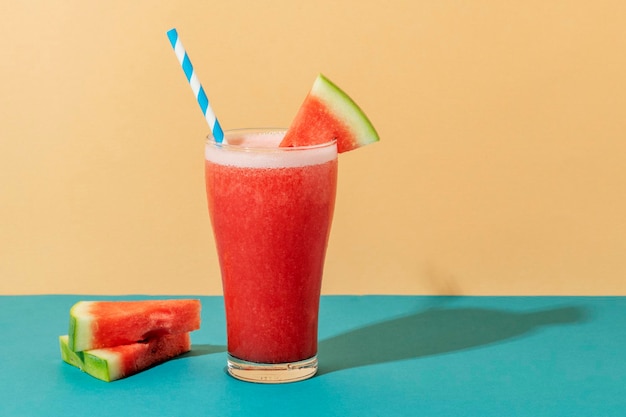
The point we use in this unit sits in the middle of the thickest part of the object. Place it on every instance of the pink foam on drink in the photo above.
(260, 150)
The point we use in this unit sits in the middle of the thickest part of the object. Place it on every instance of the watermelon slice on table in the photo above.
(328, 113)
(110, 364)
(102, 324)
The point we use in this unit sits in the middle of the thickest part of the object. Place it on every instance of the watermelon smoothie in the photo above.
(271, 210)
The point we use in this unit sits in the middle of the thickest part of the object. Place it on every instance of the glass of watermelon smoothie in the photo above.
(271, 210)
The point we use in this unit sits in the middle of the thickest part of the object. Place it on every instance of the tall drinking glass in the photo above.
(271, 209)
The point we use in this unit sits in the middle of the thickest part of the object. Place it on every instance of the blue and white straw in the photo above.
(197, 89)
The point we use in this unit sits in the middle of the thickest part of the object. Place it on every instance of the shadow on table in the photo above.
(433, 331)
(203, 349)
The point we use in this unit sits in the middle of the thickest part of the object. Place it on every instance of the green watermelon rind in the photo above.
(68, 355)
(102, 365)
(85, 361)
(80, 324)
(345, 109)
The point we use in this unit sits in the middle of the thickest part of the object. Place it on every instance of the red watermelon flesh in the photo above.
(109, 364)
(102, 324)
(327, 114)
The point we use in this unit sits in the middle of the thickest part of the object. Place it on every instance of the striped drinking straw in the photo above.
(197, 89)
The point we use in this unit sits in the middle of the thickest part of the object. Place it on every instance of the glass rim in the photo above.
(242, 148)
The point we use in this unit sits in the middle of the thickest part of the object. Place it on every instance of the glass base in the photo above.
(272, 373)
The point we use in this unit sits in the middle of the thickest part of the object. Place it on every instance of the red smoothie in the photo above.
(271, 211)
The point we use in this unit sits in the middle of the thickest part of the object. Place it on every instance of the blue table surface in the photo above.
(379, 356)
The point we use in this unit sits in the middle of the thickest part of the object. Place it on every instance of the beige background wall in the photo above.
(502, 166)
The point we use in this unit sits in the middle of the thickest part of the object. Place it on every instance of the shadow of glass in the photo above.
(200, 350)
(434, 331)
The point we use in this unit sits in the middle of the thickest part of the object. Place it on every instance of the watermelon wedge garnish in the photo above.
(328, 113)
(102, 324)
(110, 364)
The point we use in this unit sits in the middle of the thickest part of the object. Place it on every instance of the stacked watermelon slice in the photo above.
(110, 340)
